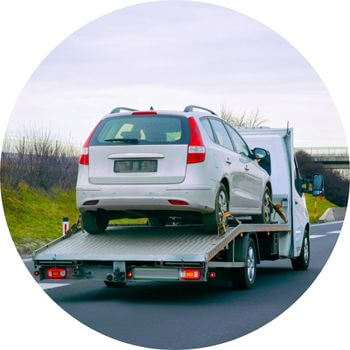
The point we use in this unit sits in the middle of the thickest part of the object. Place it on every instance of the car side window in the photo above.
(221, 134)
(240, 145)
(208, 129)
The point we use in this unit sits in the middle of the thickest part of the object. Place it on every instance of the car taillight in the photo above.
(190, 274)
(56, 273)
(84, 155)
(196, 149)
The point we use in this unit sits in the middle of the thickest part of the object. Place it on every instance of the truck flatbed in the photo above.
(143, 243)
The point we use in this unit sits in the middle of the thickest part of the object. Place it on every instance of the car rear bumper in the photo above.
(200, 198)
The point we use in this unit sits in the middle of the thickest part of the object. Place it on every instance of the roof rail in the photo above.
(191, 107)
(119, 109)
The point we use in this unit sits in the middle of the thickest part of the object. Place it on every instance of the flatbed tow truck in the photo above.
(182, 253)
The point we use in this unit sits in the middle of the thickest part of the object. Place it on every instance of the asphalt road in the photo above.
(174, 315)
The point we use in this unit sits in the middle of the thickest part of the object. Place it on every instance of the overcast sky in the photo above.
(168, 55)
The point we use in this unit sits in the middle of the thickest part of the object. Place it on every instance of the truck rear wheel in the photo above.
(244, 278)
(301, 263)
(112, 284)
(211, 221)
(94, 222)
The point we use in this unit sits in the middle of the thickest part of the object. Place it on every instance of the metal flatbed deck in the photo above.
(143, 243)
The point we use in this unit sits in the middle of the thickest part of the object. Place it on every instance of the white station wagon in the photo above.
(190, 165)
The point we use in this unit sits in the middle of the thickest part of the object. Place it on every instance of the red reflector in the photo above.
(129, 274)
(196, 149)
(36, 273)
(143, 112)
(56, 272)
(212, 275)
(190, 274)
(177, 202)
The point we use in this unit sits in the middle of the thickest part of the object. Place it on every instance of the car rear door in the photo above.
(229, 165)
(253, 181)
(139, 149)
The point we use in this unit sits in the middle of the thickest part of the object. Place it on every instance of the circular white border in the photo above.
(30, 30)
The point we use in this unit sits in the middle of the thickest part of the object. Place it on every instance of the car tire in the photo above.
(266, 209)
(244, 278)
(157, 221)
(94, 222)
(301, 263)
(211, 221)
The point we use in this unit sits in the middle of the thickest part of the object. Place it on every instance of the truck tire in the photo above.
(301, 263)
(266, 209)
(159, 221)
(94, 222)
(112, 284)
(244, 278)
(211, 221)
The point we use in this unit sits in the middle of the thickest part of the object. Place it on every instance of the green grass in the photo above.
(34, 217)
(322, 206)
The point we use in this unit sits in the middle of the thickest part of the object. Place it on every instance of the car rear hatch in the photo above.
(139, 148)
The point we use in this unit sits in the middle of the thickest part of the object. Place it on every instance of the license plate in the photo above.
(135, 166)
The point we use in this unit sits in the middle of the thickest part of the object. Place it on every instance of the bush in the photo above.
(40, 161)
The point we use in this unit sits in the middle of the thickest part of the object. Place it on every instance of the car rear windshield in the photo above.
(142, 129)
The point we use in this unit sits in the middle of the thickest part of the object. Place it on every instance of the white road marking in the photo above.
(334, 232)
(27, 259)
(328, 223)
(52, 285)
(316, 236)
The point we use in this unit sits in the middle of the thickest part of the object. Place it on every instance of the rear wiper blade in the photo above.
(123, 140)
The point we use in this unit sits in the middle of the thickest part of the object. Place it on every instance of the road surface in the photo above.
(175, 315)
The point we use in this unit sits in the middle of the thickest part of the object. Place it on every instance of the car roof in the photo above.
(197, 114)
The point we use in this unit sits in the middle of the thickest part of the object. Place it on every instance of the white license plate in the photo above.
(135, 166)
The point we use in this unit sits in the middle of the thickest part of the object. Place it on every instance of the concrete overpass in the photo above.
(331, 157)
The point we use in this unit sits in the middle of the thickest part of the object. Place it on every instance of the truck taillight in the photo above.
(196, 149)
(84, 155)
(190, 274)
(56, 272)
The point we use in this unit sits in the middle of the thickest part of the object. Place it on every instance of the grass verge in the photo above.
(34, 217)
(321, 207)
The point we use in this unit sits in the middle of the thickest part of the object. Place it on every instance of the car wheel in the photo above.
(157, 221)
(244, 278)
(266, 209)
(94, 222)
(301, 263)
(211, 221)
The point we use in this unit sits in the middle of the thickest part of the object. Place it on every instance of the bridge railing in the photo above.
(325, 151)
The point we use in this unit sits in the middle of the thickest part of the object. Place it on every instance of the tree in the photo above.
(336, 185)
(251, 120)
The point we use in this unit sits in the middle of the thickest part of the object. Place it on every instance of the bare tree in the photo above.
(249, 120)
(40, 160)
